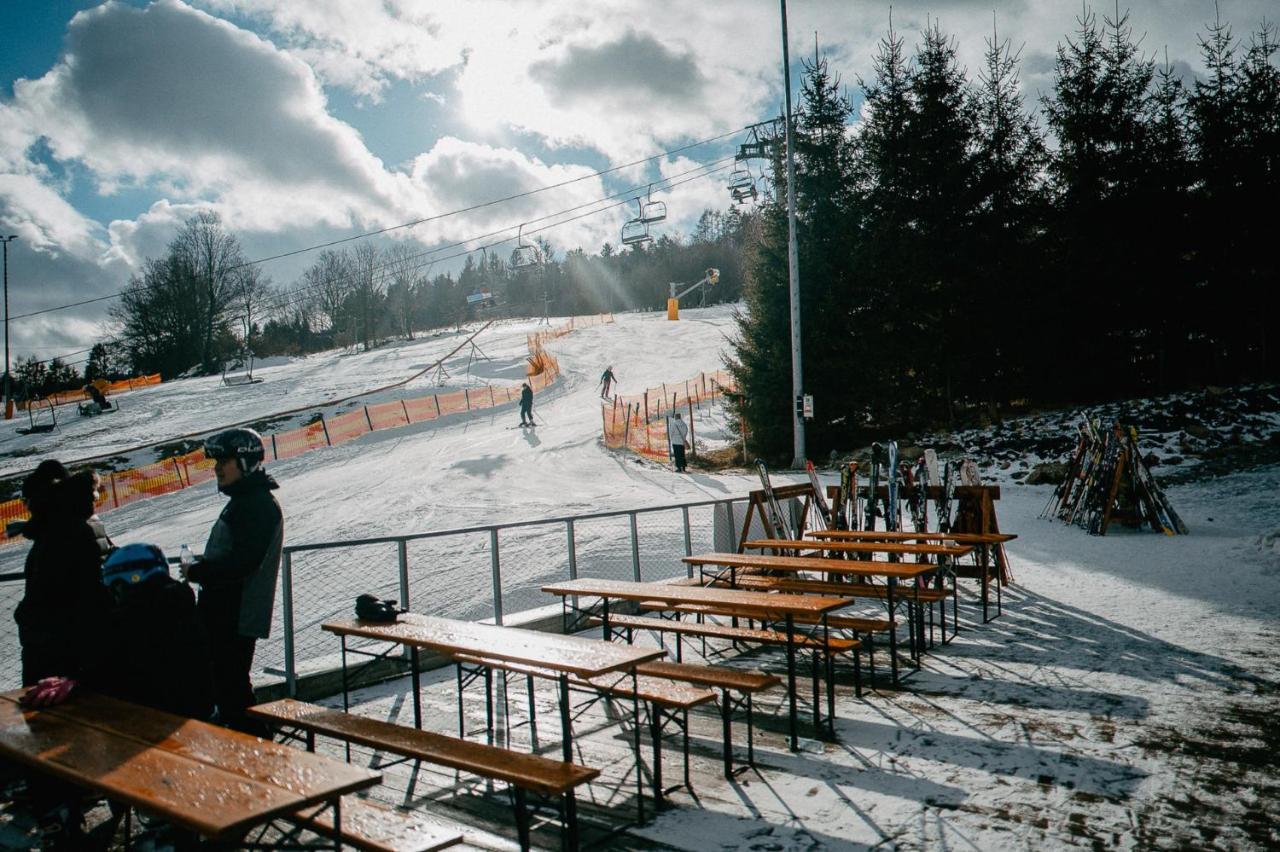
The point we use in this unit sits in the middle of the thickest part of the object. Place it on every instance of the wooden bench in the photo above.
(667, 701)
(725, 679)
(522, 772)
(829, 649)
(857, 625)
(376, 827)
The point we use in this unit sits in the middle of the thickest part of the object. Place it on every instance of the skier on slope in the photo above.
(678, 432)
(607, 380)
(526, 405)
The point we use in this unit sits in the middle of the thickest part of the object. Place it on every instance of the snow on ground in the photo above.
(1125, 699)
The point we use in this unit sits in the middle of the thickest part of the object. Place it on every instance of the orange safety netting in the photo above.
(78, 395)
(639, 422)
(120, 488)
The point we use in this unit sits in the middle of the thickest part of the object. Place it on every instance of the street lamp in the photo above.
(793, 262)
(8, 398)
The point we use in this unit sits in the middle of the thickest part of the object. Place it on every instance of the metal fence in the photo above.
(490, 571)
(483, 572)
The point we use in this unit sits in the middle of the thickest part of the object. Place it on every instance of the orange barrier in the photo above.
(639, 422)
(123, 487)
(78, 395)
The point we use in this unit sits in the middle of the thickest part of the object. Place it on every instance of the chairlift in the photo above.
(525, 256)
(635, 232)
(741, 195)
(652, 211)
(245, 374)
(741, 179)
(39, 428)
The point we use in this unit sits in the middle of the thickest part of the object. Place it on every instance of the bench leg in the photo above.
(791, 683)
(522, 818)
(570, 822)
(726, 731)
(462, 721)
(751, 738)
(655, 731)
(533, 715)
(817, 705)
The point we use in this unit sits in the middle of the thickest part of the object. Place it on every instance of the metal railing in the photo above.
(489, 571)
(443, 572)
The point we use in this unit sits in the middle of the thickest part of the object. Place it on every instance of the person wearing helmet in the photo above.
(237, 572)
(606, 382)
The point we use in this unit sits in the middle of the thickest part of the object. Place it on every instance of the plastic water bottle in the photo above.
(185, 559)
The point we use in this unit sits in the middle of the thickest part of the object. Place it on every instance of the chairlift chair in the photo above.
(635, 232)
(740, 179)
(652, 212)
(525, 256)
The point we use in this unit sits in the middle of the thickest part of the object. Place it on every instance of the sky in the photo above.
(304, 123)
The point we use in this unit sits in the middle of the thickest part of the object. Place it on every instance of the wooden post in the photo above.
(407, 419)
(691, 450)
(325, 427)
(115, 495)
(367, 418)
(275, 455)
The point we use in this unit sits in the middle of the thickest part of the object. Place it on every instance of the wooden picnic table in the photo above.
(564, 655)
(892, 572)
(211, 780)
(907, 535)
(893, 548)
(733, 601)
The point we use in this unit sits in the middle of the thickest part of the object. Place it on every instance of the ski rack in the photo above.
(757, 502)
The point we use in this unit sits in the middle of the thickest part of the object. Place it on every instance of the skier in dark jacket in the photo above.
(526, 405)
(607, 381)
(63, 601)
(237, 572)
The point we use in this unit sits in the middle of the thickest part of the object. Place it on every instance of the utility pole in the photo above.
(793, 262)
(8, 386)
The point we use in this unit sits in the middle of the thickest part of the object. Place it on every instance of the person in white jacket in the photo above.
(678, 432)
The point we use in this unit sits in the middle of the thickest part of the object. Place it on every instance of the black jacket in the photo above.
(154, 650)
(526, 397)
(64, 599)
(237, 574)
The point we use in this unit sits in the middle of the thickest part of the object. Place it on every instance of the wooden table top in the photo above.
(573, 654)
(848, 567)
(738, 599)
(901, 548)
(898, 535)
(205, 778)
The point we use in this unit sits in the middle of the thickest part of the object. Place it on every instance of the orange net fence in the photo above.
(639, 422)
(119, 488)
(78, 395)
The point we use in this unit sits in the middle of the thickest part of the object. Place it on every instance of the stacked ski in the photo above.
(1107, 479)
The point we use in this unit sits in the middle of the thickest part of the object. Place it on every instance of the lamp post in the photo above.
(793, 262)
(8, 398)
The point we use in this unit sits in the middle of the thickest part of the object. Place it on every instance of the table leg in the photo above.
(893, 630)
(791, 680)
(417, 687)
(831, 675)
(635, 724)
(346, 689)
(604, 619)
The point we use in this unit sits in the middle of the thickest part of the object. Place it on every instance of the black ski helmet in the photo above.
(244, 445)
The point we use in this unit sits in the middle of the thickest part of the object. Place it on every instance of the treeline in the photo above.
(956, 253)
(203, 305)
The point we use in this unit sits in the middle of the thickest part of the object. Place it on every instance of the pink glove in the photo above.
(48, 692)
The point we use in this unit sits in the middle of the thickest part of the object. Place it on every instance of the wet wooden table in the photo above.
(732, 601)
(210, 780)
(566, 655)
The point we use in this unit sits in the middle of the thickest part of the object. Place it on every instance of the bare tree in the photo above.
(211, 256)
(404, 286)
(251, 290)
(367, 287)
(329, 282)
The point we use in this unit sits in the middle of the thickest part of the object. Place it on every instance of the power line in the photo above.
(414, 223)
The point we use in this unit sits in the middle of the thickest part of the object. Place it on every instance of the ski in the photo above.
(931, 465)
(944, 500)
(776, 519)
(869, 518)
(1171, 522)
(918, 494)
(891, 475)
(843, 500)
(819, 499)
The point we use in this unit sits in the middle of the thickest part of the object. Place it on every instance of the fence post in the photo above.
(367, 418)
(496, 569)
(286, 602)
(178, 470)
(692, 450)
(407, 419)
(733, 525)
(646, 406)
(466, 395)
(115, 495)
(688, 539)
(275, 454)
(325, 427)
(626, 429)
(635, 549)
(436, 398)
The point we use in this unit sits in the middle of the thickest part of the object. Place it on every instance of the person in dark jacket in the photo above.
(158, 655)
(63, 599)
(237, 572)
(526, 405)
